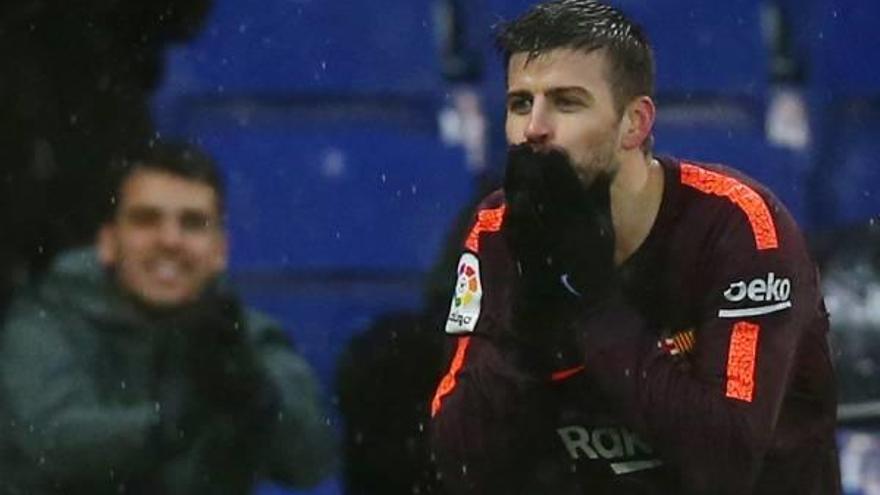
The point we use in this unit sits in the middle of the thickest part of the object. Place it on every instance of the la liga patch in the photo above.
(465, 308)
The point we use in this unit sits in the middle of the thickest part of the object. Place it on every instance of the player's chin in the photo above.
(595, 171)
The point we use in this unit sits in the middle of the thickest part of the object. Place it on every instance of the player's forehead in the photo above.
(558, 68)
(166, 192)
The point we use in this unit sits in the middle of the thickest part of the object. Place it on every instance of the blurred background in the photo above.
(355, 134)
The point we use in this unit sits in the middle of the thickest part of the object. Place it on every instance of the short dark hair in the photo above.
(585, 25)
(177, 158)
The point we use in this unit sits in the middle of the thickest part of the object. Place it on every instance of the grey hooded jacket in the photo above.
(87, 376)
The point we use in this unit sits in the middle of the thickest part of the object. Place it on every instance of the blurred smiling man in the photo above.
(165, 242)
(131, 367)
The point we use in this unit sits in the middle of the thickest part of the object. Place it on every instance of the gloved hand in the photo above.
(223, 365)
(562, 239)
(180, 416)
(559, 232)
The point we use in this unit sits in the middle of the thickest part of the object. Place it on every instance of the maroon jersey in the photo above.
(710, 374)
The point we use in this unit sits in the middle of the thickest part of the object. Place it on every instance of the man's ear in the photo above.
(106, 245)
(638, 122)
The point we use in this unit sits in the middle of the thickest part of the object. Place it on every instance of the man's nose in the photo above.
(170, 233)
(539, 129)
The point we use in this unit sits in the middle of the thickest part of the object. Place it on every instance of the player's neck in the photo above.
(635, 201)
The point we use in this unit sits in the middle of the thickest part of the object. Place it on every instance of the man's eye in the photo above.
(568, 104)
(143, 218)
(519, 105)
(194, 222)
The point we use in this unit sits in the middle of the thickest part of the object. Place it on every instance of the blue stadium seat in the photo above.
(338, 196)
(842, 46)
(282, 46)
(837, 42)
(705, 48)
(846, 185)
(332, 221)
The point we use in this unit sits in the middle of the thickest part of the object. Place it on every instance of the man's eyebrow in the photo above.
(141, 208)
(518, 94)
(571, 91)
(555, 91)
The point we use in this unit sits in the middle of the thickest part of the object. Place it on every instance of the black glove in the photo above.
(180, 410)
(561, 236)
(180, 417)
(559, 231)
(222, 364)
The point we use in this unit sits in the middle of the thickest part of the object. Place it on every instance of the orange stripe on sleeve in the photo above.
(749, 201)
(447, 384)
(487, 221)
(558, 376)
(741, 361)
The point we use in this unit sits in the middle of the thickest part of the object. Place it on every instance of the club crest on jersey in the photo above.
(767, 295)
(465, 308)
(678, 343)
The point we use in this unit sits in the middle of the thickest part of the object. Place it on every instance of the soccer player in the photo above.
(624, 323)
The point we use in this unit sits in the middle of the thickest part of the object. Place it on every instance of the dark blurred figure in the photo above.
(850, 261)
(387, 376)
(76, 79)
(132, 368)
(385, 382)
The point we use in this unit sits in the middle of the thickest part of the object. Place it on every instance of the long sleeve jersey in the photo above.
(708, 374)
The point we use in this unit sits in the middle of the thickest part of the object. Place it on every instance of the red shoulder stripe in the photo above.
(487, 221)
(749, 201)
